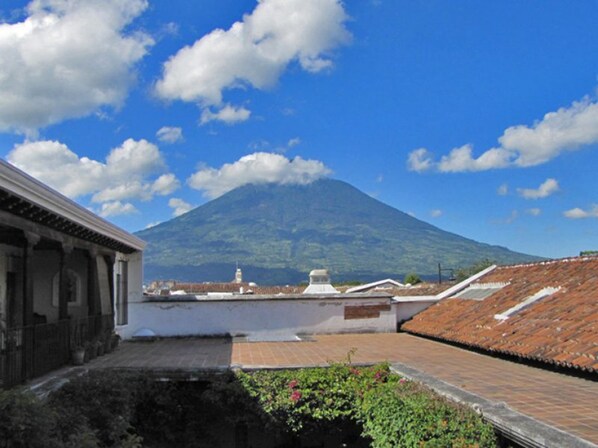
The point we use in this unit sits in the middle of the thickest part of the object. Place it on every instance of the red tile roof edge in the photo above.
(490, 350)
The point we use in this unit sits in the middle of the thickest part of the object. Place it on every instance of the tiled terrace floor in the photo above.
(562, 401)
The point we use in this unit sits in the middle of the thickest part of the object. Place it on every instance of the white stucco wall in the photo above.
(254, 316)
(407, 307)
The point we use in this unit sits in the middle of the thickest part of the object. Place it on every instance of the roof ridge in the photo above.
(552, 261)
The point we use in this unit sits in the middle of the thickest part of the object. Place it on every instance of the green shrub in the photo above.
(107, 409)
(408, 415)
(393, 412)
(412, 279)
(25, 421)
(98, 406)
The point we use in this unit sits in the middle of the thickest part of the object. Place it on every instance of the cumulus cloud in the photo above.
(293, 142)
(127, 173)
(547, 188)
(168, 134)
(420, 160)
(567, 129)
(534, 211)
(436, 213)
(257, 168)
(117, 208)
(461, 159)
(503, 190)
(255, 51)
(227, 114)
(578, 213)
(67, 59)
(179, 206)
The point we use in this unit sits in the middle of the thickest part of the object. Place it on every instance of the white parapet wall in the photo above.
(409, 306)
(261, 315)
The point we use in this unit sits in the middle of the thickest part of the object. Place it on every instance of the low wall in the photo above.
(262, 315)
(407, 307)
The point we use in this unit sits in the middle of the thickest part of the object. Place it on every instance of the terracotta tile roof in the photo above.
(560, 328)
(204, 288)
(421, 289)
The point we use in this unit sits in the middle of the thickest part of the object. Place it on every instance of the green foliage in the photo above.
(588, 253)
(279, 233)
(96, 404)
(393, 412)
(25, 422)
(107, 409)
(412, 279)
(307, 398)
(467, 272)
(410, 416)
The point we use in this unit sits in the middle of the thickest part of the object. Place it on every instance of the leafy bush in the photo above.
(465, 273)
(412, 279)
(410, 416)
(24, 420)
(107, 409)
(392, 411)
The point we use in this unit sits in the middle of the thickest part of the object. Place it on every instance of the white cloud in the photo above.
(227, 114)
(165, 184)
(117, 208)
(420, 160)
(512, 217)
(179, 206)
(258, 168)
(293, 142)
(436, 213)
(503, 190)
(67, 59)
(153, 224)
(547, 188)
(168, 134)
(567, 129)
(460, 159)
(127, 173)
(578, 213)
(534, 211)
(255, 51)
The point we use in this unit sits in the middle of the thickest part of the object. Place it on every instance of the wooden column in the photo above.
(110, 260)
(28, 341)
(63, 289)
(93, 284)
(31, 240)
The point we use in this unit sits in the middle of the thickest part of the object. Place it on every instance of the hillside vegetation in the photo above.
(278, 233)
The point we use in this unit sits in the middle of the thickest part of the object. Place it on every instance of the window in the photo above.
(73, 285)
(122, 293)
(479, 291)
(527, 302)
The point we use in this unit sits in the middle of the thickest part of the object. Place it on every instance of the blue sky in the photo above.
(478, 117)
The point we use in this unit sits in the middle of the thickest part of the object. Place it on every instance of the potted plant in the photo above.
(100, 346)
(78, 355)
(108, 341)
(92, 350)
(115, 340)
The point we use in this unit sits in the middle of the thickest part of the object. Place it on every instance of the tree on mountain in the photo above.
(464, 273)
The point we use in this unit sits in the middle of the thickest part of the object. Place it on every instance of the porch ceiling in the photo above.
(38, 215)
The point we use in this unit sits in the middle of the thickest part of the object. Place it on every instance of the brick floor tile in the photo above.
(566, 402)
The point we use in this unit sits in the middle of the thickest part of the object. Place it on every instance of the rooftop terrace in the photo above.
(539, 407)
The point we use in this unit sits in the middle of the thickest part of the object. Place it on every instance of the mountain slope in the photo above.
(278, 233)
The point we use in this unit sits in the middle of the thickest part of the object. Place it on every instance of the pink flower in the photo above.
(402, 381)
(295, 396)
(293, 384)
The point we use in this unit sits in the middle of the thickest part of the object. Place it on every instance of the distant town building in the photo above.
(238, 275)
(319, 283)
